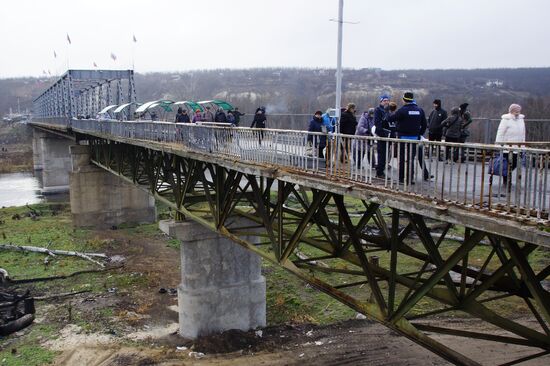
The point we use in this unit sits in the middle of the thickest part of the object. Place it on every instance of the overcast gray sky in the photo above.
(204, 34)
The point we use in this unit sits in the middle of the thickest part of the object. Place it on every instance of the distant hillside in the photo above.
(302, 91)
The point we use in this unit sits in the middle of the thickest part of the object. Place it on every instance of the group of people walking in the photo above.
(232, 116)
(410, 123)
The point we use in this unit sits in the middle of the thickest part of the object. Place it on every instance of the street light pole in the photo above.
(339, 65)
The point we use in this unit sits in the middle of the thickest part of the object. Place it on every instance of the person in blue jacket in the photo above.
(410, 124)
(318, 141)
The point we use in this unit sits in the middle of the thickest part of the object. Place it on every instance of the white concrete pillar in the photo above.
(37, 149)
(56, 163)
(101, 199)
(221, 283)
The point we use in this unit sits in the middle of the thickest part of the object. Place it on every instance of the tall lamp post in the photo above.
(339, 65)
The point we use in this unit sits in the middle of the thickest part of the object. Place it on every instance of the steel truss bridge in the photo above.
(381, 248)
(463, 243)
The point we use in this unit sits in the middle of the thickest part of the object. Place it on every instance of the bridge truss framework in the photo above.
(384, 262)
(84, 93)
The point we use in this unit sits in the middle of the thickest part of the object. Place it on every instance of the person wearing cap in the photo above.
(182, 116)
(410, 122)
(437, 116)
(317, 141)
(511, 129)
(382, 129)
(198, 116)
(364, 128)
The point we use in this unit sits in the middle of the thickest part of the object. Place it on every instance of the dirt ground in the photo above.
(146, 330)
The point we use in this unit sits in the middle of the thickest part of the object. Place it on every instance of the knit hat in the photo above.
(317, 113)
(437, 102)
(384, 96)
(464, 106)
(514, 108)
(408, 97)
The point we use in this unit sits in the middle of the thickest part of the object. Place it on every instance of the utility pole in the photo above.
(339, 64)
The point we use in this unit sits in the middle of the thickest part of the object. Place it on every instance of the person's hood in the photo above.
(455, 110)
(511, 116)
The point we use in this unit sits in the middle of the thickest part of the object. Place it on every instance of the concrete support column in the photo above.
(101, 199)
(37, 149)
(221, 283)
(56, 163)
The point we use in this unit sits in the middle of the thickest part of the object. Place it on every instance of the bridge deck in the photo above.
(460, 190)
(292, 203)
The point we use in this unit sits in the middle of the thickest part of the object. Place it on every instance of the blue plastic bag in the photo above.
(500, 166)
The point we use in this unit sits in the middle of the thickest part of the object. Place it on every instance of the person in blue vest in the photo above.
(410, 122)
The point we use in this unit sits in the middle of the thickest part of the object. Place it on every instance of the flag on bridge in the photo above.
(113, 56)
(44, 72)
(68, 38)
(95, 65)
(134, 38)
(54, 54)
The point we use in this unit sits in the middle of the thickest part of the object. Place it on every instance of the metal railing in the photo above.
(505, 179)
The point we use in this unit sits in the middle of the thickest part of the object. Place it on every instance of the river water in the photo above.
(19, 189)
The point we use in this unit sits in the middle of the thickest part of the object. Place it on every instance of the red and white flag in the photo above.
(68, 38)
(95, 65)
(113, 56)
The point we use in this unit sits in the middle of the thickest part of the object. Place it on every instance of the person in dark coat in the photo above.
(237, 114)
(348, 124)
(410, 122)
(382, 129)
(466, 120)
(220, 116)
(317, 141)
(182, 116)
(452, 131)
(437, 116)
(231, 118)
(259, 121)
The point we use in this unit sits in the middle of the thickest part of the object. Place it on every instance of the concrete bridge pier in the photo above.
(51, 154)
(221, 286)
(101, 199)
(37, 149)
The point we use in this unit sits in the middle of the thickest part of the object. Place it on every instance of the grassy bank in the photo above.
(120, 301)
(15, 148)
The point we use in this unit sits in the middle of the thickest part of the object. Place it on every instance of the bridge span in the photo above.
(263, 191)
(404, 252)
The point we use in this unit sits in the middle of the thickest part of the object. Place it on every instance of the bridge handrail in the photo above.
(461, 172)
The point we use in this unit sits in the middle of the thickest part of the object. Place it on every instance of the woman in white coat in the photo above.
(511, 129)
